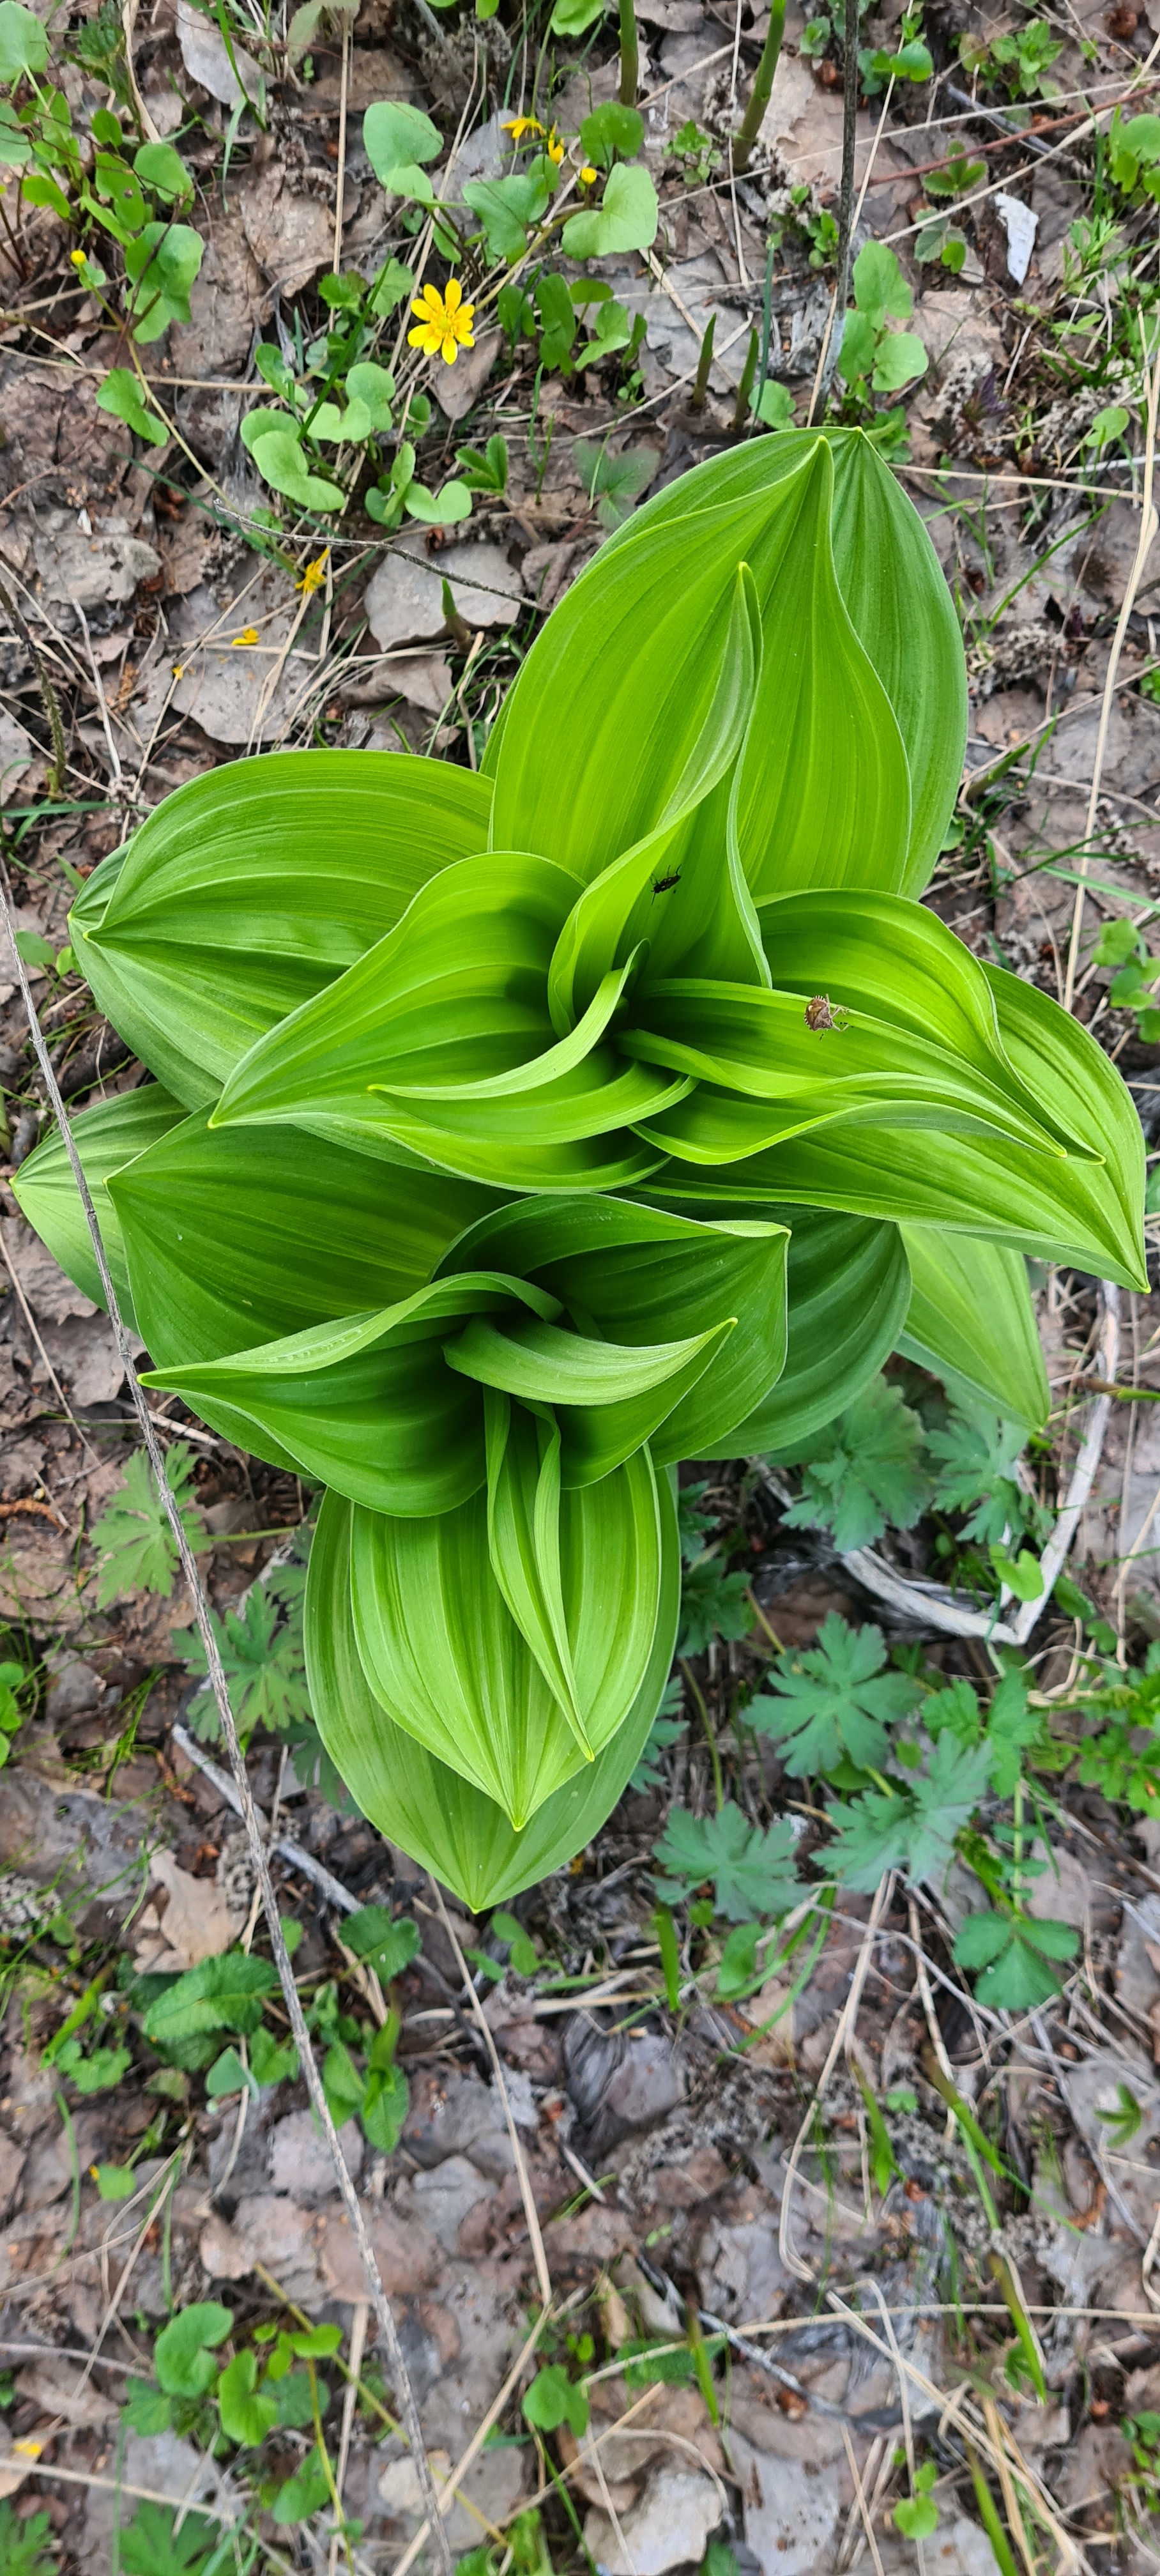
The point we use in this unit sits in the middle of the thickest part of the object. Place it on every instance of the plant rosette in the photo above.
(515, 1135)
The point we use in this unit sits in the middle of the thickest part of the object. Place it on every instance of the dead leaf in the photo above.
(291, 237)
(197, 1923)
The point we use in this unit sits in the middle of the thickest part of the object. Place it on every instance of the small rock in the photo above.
(301, 2161)
(445, 2194)
(670, 2526)
(404, 601)
(791, 2508)
(90, 571)
(11, 2167)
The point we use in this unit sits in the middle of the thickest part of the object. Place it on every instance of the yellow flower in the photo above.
(249, 635)
(518, 126)
(554, 148)
(588, 174)
(315, 574)
(444, 322)
(78, 258)
(179, 670)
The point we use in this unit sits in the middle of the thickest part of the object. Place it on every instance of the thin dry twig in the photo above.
(527, 2195)
(204, 1622)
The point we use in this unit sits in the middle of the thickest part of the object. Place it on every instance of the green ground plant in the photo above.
(516, 1135)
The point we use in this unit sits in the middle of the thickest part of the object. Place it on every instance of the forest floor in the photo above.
(846, 2264)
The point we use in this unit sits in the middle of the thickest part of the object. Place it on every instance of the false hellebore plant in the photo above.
(516, 1136)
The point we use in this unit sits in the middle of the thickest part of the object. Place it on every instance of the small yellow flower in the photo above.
(444, 322)
(29, 2449)
(315, 574)
(179, 670)
(518, 126)
(249, 635)
(554, 148)
(588, 175)
(78, 258)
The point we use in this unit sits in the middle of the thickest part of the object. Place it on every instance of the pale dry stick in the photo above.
(904, 2402)
(626, 2557)
(358, 2336)
(831, 316)
(146, 2495)
(846, 2020)
(30, 1320)
(1147, 2261)
(129, 22)
(203, 1620)
(157, 2185)
(270, 683)
(1071, 2554)
(930, 2016)
(114, 754)
(527, 2195)
(340, 184)
(1148, 526)
(286, 1847)
(1006, 2483)
(859, 2506)
(450, 2489)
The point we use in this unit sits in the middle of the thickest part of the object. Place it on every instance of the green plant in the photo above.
(1132, 153)
(502, 1153)
(871, 354)
(1121, 945)
(132, 1539)
(1016, 63)
(916, 2516)
(864, 1470)
(23, 2544)
(752, 1869)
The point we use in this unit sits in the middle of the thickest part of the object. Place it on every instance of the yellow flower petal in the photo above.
(588, 174)
(454, 294)
(249, 635)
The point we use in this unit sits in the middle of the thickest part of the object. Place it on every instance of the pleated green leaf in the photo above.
(971, 1322)
(366, 1405)
(448, 1826)
(632, 652)
(250, 888)
(638, 1273)
(894, 589)
(846, 1293)
(241, 1235)
(607, 1397)
(446, 1657)
(440, 1041)
(107, 1137)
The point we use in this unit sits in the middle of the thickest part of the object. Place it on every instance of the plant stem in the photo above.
(704, 362)
(759, 96)
(630, 54)
(745, 388)
(846, 194)
(710, 1738)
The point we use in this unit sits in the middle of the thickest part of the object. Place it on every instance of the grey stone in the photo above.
(791, 2508)
(669, 2527)
(404, 600)
(445, 2194)
(300, 2160)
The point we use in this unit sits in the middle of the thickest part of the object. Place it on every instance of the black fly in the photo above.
(664, 885)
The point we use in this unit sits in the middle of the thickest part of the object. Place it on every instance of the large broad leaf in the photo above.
(896, 593)
(975, 1185)
(444, 1653)
(107, 1137)
(642, 1276)
(240, 1235)
(450, 1828)
(622, 677)
(971, 1321)
(367, 1404)
(252, 887)
(440, 1041)
(847, 1290)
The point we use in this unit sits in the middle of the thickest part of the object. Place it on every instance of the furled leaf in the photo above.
(835, 1698)
(464, 1837)
(752, 1869)
(107, 1137)
(972, 1322)
(251, 887)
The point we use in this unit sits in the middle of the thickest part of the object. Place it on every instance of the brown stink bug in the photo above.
(819, 1015)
